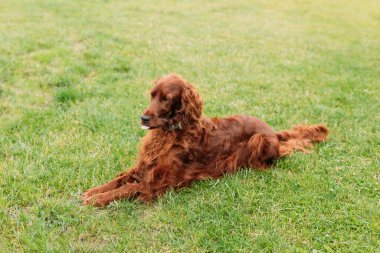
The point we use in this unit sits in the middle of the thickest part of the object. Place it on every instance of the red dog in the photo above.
(183, 146)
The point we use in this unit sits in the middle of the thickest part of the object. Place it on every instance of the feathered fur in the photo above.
(182, 145)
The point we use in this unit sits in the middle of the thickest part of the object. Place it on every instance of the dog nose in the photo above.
(145, 118)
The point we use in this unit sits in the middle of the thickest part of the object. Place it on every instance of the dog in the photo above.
(182, 145)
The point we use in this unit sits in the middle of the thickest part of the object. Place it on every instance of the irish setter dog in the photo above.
(182, 145)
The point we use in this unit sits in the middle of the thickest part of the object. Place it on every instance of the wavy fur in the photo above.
(183, 146)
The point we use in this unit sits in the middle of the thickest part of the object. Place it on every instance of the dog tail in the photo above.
(301, 137)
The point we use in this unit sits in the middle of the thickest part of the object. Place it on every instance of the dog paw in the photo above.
(86, 195)
(97, 200)
(89, 193)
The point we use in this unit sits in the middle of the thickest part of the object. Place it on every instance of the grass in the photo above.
(74, 77)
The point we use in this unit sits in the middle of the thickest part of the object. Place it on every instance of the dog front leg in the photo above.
(120, 180)
(105, 198)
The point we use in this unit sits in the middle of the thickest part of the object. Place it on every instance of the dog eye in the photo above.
(164, 98)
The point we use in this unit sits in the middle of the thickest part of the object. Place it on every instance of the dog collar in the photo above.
(175, 127)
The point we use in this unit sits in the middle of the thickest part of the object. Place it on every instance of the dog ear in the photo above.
(191, 105)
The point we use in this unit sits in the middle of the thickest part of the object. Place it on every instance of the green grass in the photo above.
(74, 78)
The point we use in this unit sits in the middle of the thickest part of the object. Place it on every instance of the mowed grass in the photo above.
(74, 78)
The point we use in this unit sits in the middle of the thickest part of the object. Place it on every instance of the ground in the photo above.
(74, 80)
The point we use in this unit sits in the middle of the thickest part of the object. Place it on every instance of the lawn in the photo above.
(74, 80)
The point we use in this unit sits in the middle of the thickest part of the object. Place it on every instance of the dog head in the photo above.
(174, 104)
